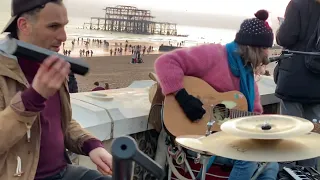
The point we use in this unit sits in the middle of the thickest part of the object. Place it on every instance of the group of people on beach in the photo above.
(128, 48)
(86, 53)
(36, 124)
(117, 49)
(100, 88)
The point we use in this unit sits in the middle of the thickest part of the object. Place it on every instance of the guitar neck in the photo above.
(234, 113)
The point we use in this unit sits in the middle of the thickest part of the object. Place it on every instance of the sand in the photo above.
(119, 73)
(115, 70)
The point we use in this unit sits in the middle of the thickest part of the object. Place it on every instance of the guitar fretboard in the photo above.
(234, 113)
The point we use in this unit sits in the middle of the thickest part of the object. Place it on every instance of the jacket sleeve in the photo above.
(76, 138)
(15, 121)
(173, 66)
(288, 33)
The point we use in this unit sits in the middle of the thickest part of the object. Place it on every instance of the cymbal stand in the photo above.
(259, 171)
(211, 121)
(204, 160)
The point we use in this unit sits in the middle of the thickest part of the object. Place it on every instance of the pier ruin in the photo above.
(129, 19)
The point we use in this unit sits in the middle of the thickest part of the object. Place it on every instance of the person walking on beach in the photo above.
(226, 68)
(97, 87)
(106, 86)
(298, 86)
(36, 126)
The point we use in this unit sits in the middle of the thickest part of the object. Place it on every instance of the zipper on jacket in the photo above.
(18, 169)
(29, 132)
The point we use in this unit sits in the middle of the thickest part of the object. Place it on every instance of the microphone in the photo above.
(34, 53)
(279, 58)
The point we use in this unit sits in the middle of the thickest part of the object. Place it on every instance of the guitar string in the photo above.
(236, 113)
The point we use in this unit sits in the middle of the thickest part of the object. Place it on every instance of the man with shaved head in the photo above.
(36, 126)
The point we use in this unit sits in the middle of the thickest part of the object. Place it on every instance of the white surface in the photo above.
(128, 111)
(266, 85)
(94, 119)
(141, 84)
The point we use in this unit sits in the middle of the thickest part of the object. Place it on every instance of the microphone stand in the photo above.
(125, 153)
(300, 53)
(286, 54)
(279, 58)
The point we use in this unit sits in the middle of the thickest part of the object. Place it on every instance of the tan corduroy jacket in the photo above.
(18, 157)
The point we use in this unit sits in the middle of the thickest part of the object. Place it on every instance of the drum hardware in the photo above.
(125, 153)
(204, 160)
(259, 171)
(288, 139)
(172, 168)
(211, 121)
(197, 159)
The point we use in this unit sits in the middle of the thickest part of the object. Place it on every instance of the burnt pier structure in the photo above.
(129, 19)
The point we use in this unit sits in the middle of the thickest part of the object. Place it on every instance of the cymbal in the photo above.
(193, 143)
(280, 150)
(281, 127)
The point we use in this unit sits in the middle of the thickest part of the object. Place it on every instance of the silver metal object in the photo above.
(204, 161)
(211, 121)
(259, 171)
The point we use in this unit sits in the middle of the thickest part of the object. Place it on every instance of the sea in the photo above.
(196, 35)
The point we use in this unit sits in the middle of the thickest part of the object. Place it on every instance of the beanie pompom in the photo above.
(262, 14)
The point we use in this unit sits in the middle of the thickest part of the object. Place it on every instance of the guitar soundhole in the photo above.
(220, 112)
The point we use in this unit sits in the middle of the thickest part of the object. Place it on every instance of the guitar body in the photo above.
(177, 123)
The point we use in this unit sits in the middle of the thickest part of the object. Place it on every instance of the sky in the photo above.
(226, 7)
(211, 13)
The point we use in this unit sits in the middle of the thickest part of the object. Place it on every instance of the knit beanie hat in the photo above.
(256, 31)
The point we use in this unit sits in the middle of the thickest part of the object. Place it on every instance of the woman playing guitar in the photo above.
(225, 68)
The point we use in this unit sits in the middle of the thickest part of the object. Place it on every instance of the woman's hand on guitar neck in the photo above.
(191, 106)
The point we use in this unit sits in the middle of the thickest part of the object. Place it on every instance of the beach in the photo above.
(119, 73)
(115, 70)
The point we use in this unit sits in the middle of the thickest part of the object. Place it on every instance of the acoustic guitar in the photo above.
(224, 106)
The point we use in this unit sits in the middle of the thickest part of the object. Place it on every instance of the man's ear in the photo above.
(24, 26)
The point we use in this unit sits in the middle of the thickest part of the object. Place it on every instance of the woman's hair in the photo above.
(255, 56)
